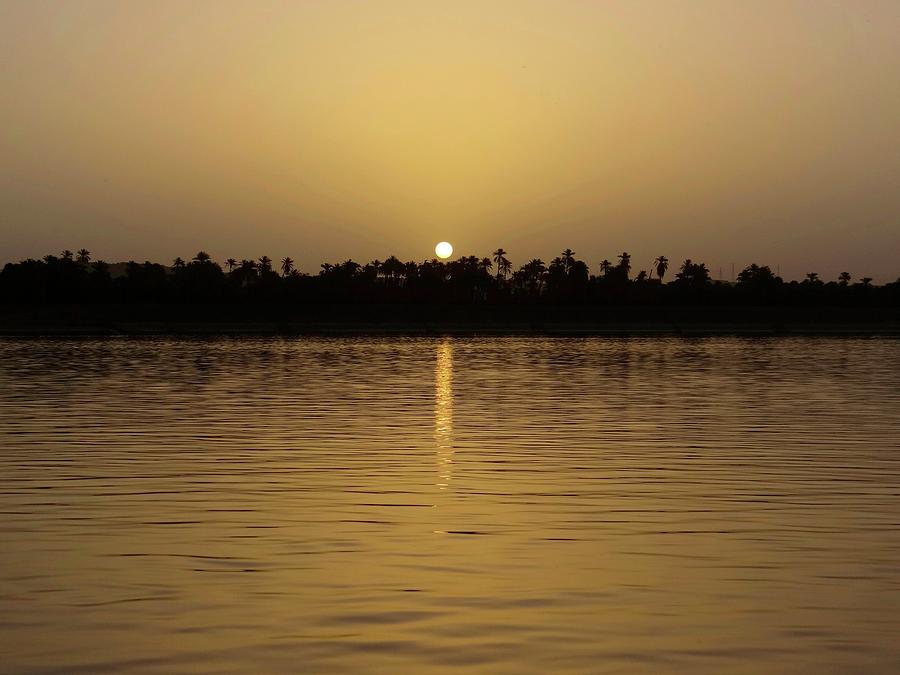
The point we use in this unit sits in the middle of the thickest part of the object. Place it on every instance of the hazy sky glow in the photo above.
(724, 131)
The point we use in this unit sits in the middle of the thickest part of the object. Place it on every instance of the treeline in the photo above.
(76, 278)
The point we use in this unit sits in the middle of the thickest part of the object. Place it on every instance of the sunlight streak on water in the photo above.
(426, 505)
(443, 412)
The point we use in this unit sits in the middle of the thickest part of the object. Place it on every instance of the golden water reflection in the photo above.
(443, 412)
(665, 505)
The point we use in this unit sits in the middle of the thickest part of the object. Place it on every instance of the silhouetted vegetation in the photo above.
(76, 278)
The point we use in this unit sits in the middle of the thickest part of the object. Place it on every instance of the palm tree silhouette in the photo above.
(178, 263)
(568, 257)
(503, 263)
(265, 264)
(392, 268)
(605, 267)
(202, 257)
(286, 266)
(67, 255)
(247, 271)
(534, 271)
(84, 256)
(625, 263)
(231, 263)
(375, 266)
(844, 278)
(812, 277)
(662, 264)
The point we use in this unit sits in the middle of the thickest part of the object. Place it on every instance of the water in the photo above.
(504, 505)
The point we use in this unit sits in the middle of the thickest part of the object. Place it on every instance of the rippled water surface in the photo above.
(427, 505)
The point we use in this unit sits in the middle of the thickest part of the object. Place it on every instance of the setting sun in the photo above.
(443, 250)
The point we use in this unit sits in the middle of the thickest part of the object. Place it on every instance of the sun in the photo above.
(443, 250)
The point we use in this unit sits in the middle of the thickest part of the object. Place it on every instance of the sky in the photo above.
(724, 131)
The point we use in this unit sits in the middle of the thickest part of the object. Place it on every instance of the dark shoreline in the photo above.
(374, 319)
(411, 329)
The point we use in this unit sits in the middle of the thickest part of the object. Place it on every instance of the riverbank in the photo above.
(105, 320)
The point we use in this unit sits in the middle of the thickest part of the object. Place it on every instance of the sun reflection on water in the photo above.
(443, 412)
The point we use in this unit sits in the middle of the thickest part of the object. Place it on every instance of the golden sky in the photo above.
(764, 131)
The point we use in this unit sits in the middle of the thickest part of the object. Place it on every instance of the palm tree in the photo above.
(866, 281)
(568, 257)
(534, 270)
(486, 265)
(844, 278)
(231, 263)
(812, 277)
(605, 267)
(202, 257)
(286, 266)
(375, 266)
(625, 264)
(246, 272)
(503, 263)
(178, 263)
(392, 268)
(410, 270)
(84, 256)
(662, 264)
(67, 254)
(265, 264)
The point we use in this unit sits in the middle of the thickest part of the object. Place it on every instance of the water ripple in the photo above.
(427, 505)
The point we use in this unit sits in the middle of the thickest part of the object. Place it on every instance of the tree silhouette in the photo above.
(694, 274)
(533, 273)
(392, 269)
(503, 264)
(662, 265)
(624, 265)
(756, 275)
(467, 280)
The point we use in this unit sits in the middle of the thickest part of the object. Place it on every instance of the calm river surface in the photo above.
(501, 505)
